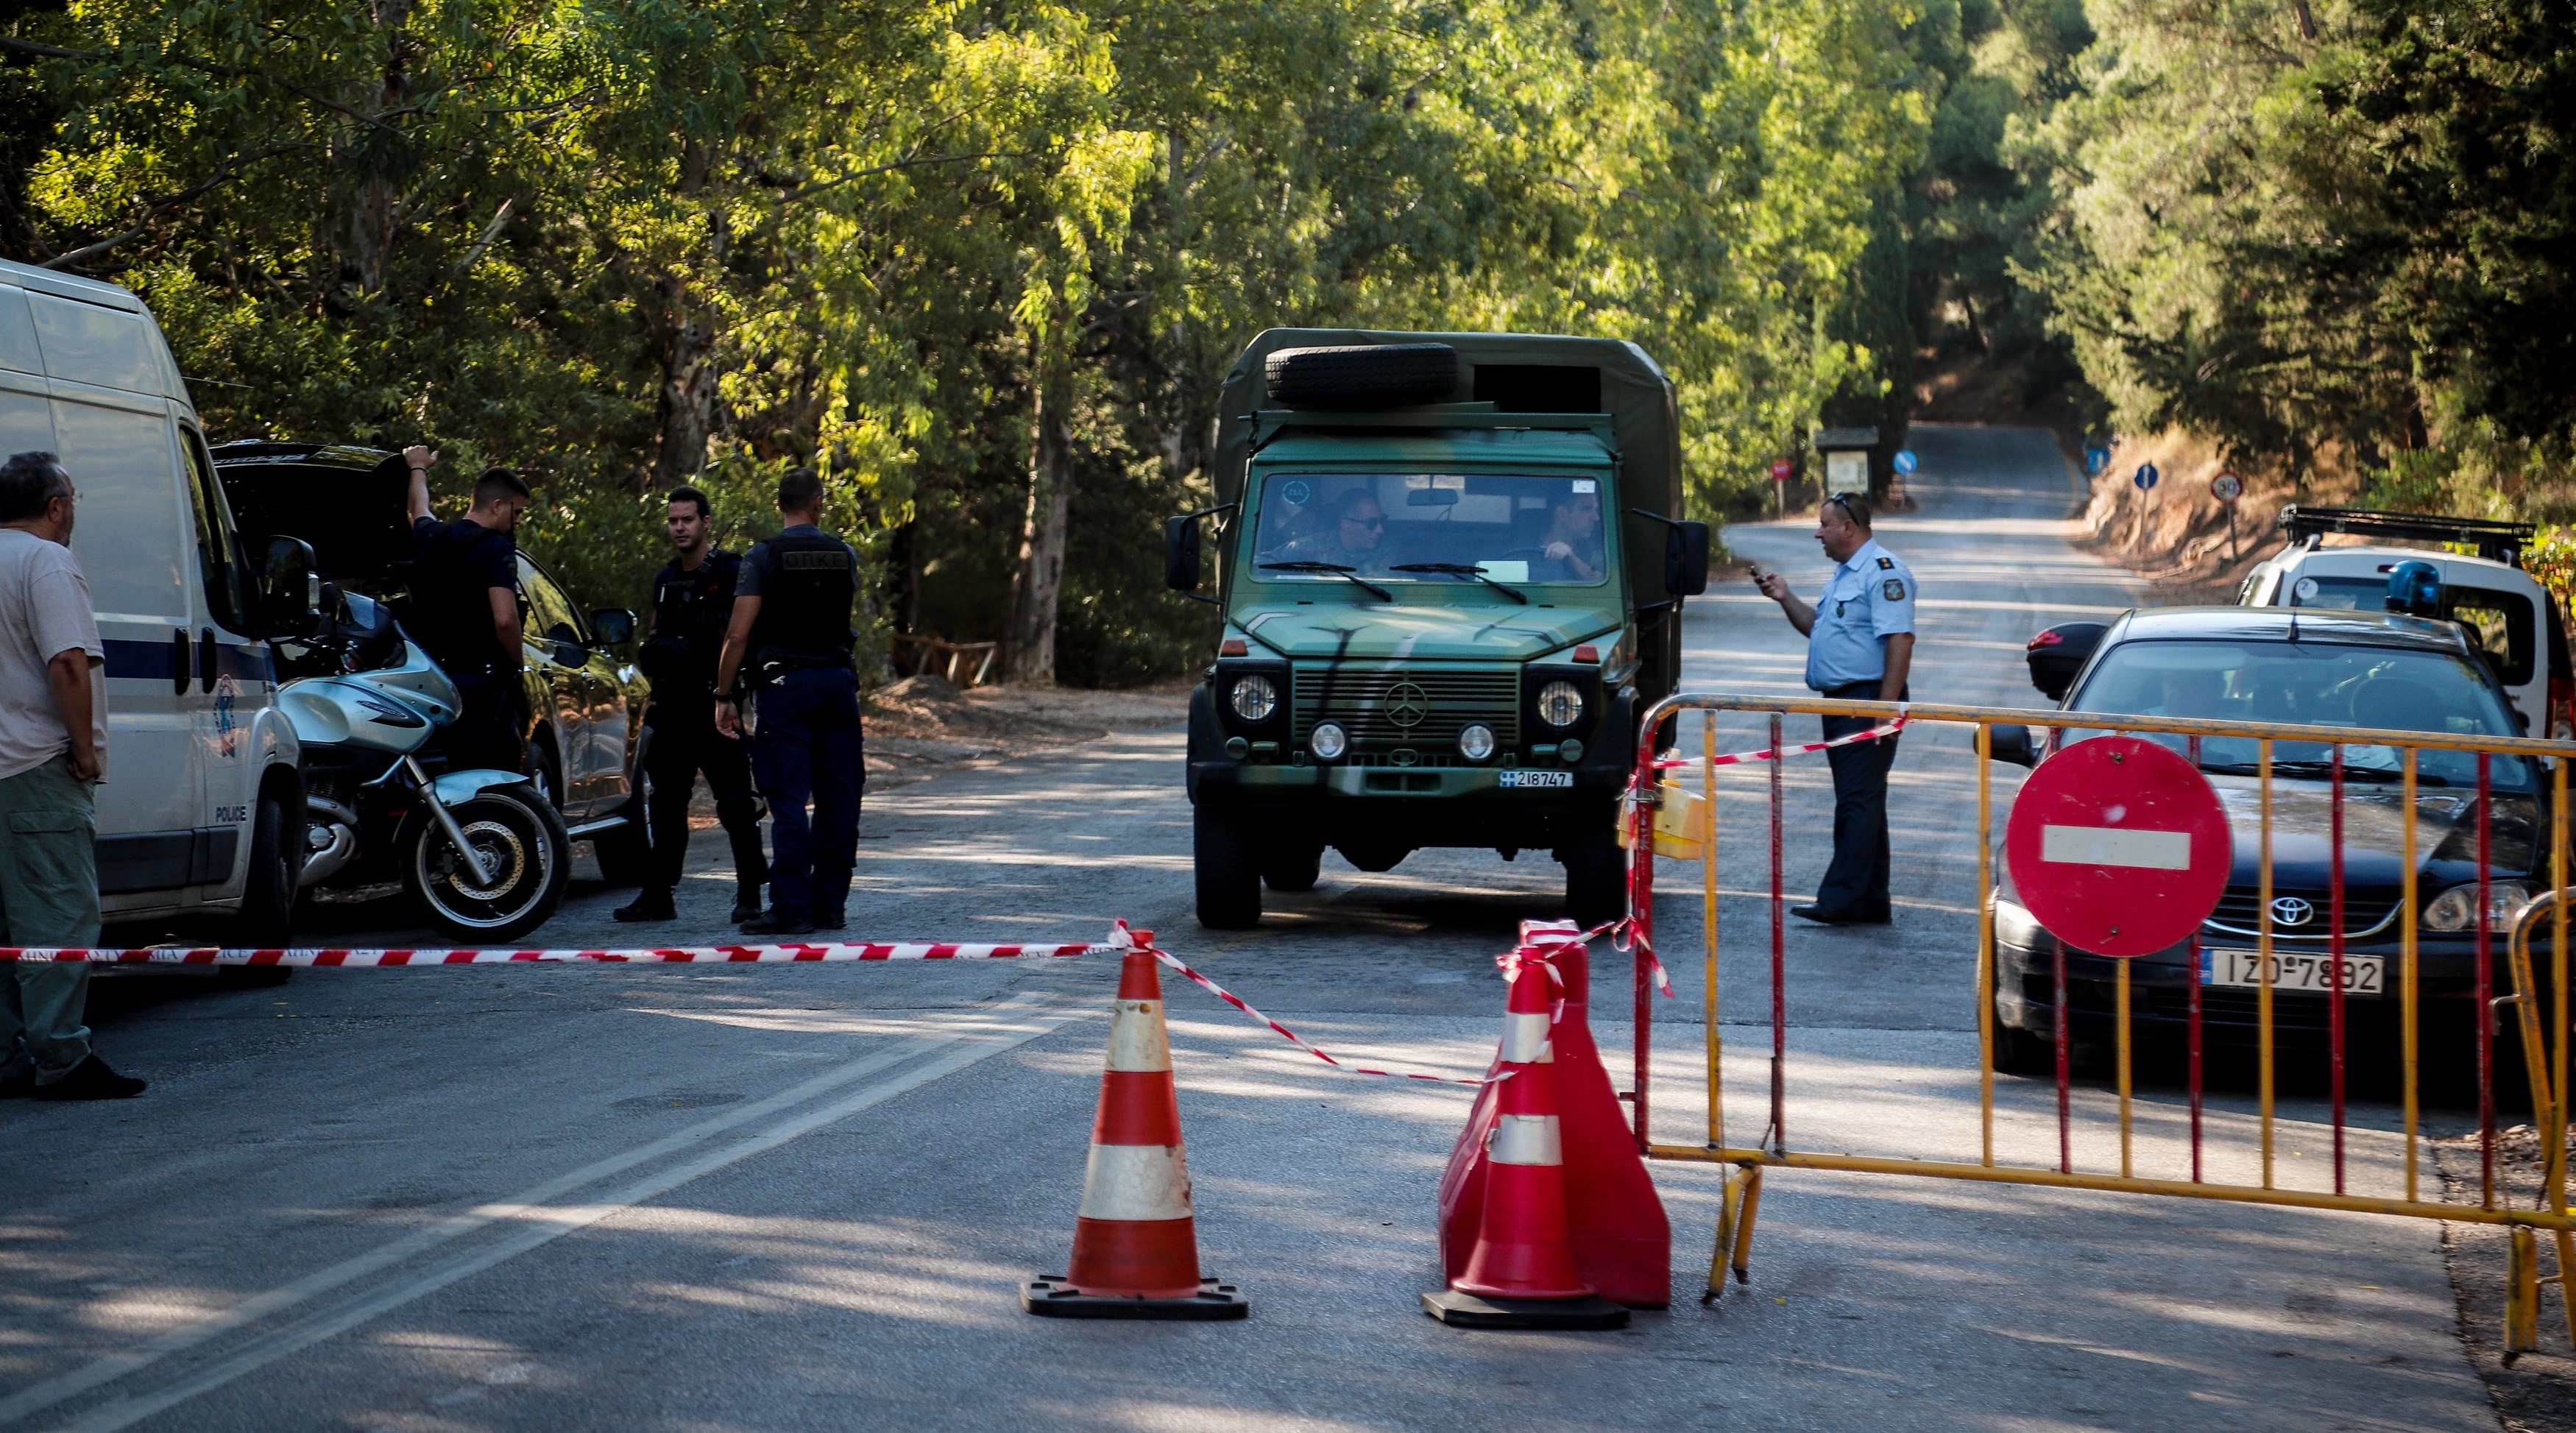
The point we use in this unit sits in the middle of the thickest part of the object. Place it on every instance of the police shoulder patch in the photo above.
(1893, 589)
(1886, 563)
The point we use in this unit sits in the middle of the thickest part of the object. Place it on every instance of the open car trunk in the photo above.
(347, 503)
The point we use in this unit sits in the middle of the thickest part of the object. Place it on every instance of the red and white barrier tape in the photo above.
(678, 955)
(1293, 1038)
(1889, 728)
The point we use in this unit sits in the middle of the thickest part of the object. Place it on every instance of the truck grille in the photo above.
(1380, 707)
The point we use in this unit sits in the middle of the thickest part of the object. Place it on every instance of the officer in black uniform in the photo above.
(464, 611)
(692, 605)
(790, 637)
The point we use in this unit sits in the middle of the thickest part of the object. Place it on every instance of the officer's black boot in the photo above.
(750, 866)
(746, 901)
(653, 903)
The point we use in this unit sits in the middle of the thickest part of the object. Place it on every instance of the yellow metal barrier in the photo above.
(1692, 829)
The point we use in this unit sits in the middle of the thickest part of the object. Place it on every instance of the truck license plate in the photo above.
(2292, 970)
(1537, 778)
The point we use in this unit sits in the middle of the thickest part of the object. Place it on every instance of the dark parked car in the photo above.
(585, 704)
(2333, 668)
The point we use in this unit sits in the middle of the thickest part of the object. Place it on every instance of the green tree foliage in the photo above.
(964, 257)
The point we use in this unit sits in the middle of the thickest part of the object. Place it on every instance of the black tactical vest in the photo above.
(690, 613)
(809, 582)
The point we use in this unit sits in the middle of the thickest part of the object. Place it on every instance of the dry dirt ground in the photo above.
(2538, 1391)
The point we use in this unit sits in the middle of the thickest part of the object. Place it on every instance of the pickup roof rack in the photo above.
(2495, 541)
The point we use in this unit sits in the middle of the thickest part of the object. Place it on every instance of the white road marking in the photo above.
(2113, 846)
(987, 1035)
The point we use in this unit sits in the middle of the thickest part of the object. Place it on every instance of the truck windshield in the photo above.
(1516, 530)
(2391, 689)
(2499, 623)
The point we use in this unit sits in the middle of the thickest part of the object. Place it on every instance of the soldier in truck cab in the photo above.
(1572, 548)
(1352, 539)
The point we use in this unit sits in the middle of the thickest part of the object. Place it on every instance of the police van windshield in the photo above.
(2499, 623)
(2390, 689)
(1513, 530)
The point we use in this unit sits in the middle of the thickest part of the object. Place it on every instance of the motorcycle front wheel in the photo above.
(523, 844)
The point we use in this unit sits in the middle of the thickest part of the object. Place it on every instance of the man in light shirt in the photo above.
(53, 752)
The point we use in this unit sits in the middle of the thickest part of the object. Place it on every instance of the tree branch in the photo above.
(155, 208)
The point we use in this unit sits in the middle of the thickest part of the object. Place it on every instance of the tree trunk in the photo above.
(688, 389)
(1029, 645)
(371, 221)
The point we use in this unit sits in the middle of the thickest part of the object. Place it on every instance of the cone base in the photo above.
(1471, 1311)
(1054, 1296)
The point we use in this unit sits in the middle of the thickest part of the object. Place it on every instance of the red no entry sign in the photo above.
(2118, 846)
(1780, 470)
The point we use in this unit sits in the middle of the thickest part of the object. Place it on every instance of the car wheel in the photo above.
(1596, 873)
(547, 772)
(626, 853)
(1293, 866)
(1228, 870)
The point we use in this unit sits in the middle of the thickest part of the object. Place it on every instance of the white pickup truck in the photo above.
(2507, 614)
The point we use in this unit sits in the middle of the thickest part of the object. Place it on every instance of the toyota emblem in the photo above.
(2290, 910)
(1405, 704)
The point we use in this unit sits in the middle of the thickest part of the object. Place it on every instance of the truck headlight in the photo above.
(1476, 741)
(1254, 697)
(1328, 741)
(2456, 908)
(1560, 704)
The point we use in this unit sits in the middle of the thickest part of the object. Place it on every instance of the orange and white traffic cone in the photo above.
(1135, 1243)
(1521, 1272)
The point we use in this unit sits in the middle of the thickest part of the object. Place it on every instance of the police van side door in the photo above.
(233, 676)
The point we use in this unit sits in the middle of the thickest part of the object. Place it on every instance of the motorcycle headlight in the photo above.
(1560, 704)
(2456, 908)
(1254, 697)
(1476, 741)
(1328, 741)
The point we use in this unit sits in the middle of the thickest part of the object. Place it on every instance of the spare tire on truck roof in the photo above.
(1379, 375)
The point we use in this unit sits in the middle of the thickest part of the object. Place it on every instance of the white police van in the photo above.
(2507, 614)
(202, 811)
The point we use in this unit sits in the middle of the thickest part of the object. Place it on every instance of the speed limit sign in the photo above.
(2227, 487)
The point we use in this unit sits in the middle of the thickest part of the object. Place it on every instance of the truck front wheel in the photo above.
(1292, 865)
(1596, 874)
(1229, 871)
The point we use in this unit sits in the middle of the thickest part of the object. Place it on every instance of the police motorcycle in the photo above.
(482, 853)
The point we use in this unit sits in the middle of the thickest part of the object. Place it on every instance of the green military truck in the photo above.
(1452, 569)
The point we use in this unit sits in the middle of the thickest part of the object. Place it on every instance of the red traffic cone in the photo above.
(1521, 1272)
(1135, 1243)
(1623, 1244)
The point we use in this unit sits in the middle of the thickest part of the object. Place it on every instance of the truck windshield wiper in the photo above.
(1348, 574)
(1463, 569)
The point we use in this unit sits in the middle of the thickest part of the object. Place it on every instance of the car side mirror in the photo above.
(1686, 559)
(2010, 741)
(1181, 554)
(2058, 654)
(290, 588)
(614, 626)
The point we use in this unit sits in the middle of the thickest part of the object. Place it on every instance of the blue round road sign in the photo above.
(1905, 460)
(2146, 477)
(2096, 459)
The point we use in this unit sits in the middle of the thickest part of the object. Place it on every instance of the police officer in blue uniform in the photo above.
(692, 607)
(1860, 645)
(790, 638)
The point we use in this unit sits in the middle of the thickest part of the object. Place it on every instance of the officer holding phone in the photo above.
(1860, 647)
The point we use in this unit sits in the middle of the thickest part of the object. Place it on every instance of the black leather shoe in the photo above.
(19, 1086)
(746, 906)
(772, 923)
(1876, 915)
(650, 904)
(834, 921)
(91, 1079)
(1827, 915)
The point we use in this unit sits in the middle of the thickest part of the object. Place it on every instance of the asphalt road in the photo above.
(701, 1199)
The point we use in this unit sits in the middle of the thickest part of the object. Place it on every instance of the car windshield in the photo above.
(2390, 689)
(1407, 527)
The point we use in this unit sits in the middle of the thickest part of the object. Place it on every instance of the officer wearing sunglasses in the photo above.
(1352, 539)
(1860, 646)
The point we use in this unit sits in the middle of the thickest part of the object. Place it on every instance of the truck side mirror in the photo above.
(1686, 559)
(2010, 741)
(2056, 655)
(290, 588)
(1181, 553)
(612, 625)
